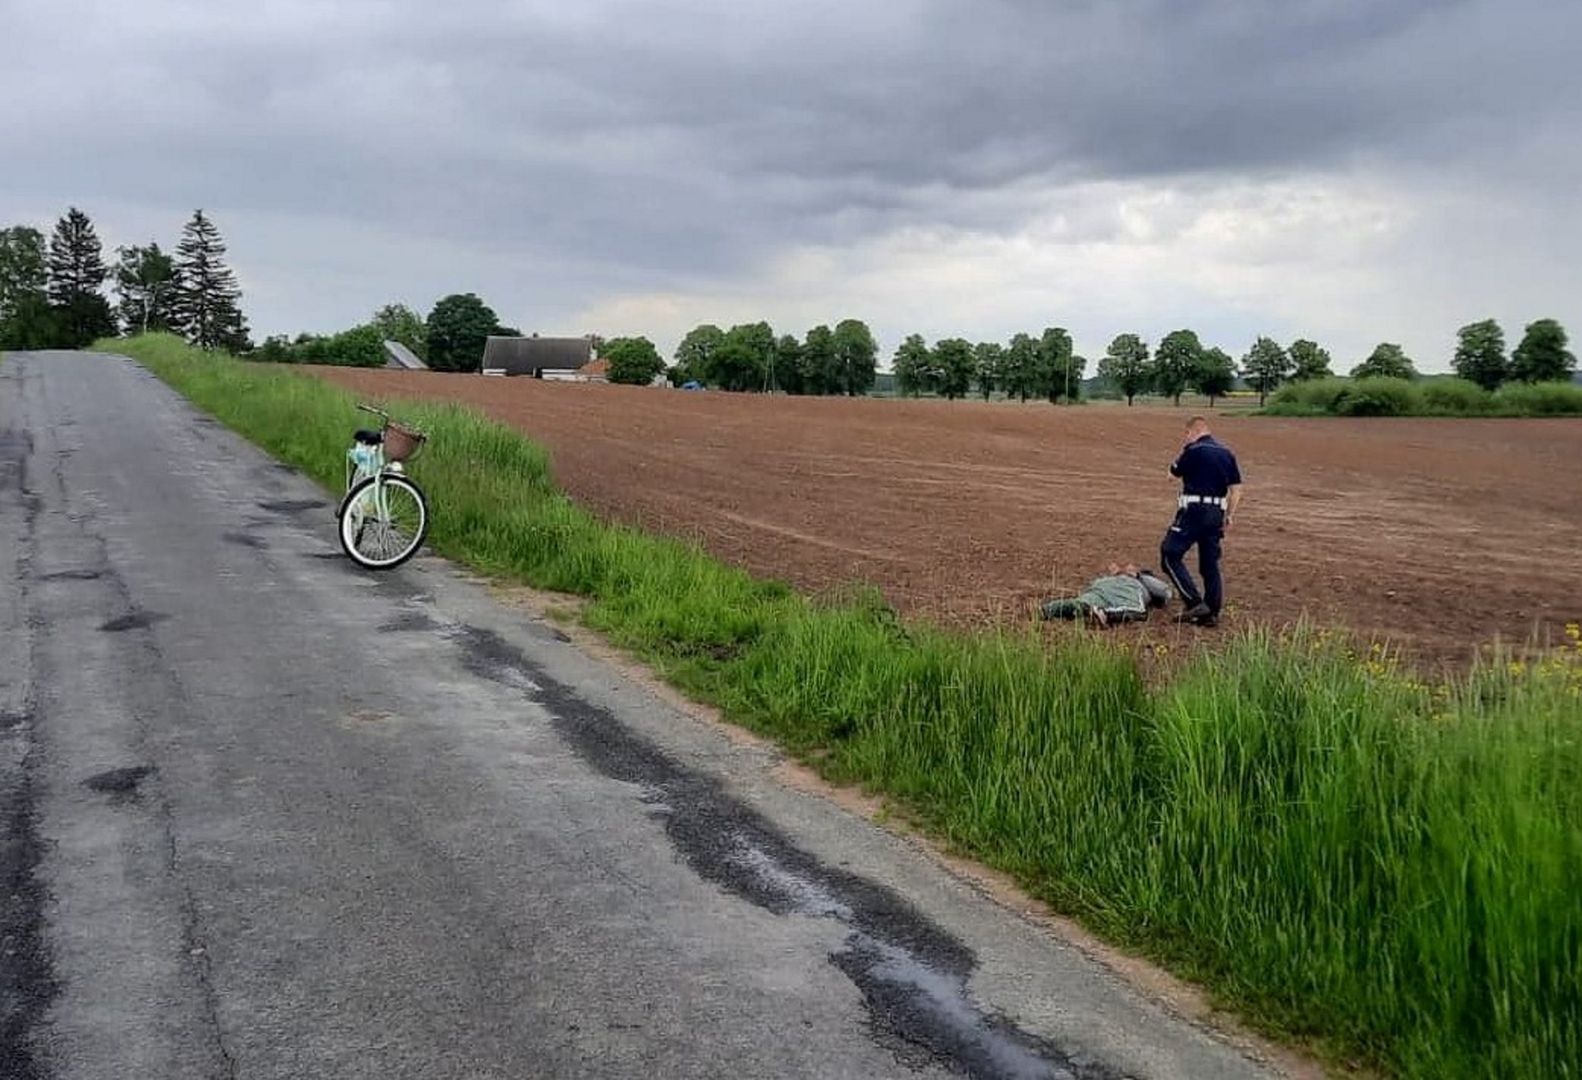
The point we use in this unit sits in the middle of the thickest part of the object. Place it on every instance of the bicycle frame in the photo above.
(363, 461)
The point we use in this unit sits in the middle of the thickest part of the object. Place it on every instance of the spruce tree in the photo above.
(76, 276)
(207, 309)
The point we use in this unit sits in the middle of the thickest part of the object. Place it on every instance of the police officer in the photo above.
(1210, 493)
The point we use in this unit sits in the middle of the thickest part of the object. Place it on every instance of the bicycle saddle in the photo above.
(369, 438)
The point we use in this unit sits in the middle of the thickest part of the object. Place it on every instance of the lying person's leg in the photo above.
(1064, 609)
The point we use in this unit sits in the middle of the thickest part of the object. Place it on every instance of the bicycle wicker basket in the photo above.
(402, 443)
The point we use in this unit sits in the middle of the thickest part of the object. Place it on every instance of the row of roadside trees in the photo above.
(1181, 362)
(1026, 367)
(52, 292)
(842, 360)
(1046, 367)
(1541, 356)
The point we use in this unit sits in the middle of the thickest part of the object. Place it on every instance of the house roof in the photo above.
(532, 355)
(399, 356)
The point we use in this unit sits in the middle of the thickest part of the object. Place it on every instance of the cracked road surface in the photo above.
(265, 815)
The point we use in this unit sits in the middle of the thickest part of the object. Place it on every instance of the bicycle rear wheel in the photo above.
(384, 522)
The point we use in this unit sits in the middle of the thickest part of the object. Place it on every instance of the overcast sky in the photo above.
(1349, 170)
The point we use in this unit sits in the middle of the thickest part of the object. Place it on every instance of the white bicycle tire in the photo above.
(356, 517)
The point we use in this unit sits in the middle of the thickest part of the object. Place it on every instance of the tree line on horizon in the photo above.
(1046, 367)
(52, 290)
(52, 296)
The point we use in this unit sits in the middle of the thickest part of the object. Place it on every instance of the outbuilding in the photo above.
(536, 356)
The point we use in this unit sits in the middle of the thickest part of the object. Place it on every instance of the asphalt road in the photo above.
(265, 815)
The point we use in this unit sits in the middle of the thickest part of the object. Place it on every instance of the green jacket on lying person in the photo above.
(1124, 594)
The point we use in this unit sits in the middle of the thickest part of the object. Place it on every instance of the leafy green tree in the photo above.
(1480, 354)
(1308, 361)
(696, 352)
(913, 366)
(1266, 366)
(1542, 355)
(1068, 377)
(989, 357)
(633, 360)
(276, 349)
(1174, 362)
(145, 282)
(24, 269)
(742, 361)
(1054, 360)
(361, 346)
(76, 278)
(207, 307)
(458, 328)
(788, 365)
(1214, 375)
(735, 365)
(820, 364)
(1021, 367)
(1125, 365)
(858, 356)
(26, 319)
(955, 363)
(32, 324)
(1387, 361)
(397, 322)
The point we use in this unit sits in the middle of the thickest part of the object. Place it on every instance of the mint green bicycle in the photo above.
(383, 515)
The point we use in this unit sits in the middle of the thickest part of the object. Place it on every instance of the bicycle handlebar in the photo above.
(377, 412)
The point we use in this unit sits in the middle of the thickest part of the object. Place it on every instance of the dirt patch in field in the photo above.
(1437, 534)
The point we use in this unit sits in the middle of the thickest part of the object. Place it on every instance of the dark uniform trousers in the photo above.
(1204, 526)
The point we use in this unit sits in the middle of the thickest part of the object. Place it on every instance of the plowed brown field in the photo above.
(1438, 534)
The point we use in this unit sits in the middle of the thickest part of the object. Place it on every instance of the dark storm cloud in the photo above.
(687, 137)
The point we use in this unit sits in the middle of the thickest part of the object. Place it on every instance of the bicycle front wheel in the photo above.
(384, 521)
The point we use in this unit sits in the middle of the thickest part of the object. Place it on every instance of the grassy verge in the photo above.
(1344, 854)
(1436, 396)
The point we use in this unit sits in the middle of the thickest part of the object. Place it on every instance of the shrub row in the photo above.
(1423, 397)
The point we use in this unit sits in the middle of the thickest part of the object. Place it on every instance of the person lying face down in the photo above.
(1121, 594)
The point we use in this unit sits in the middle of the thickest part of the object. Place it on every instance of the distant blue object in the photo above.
(692, 384)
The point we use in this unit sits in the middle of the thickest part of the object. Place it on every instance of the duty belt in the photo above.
(1206, 500)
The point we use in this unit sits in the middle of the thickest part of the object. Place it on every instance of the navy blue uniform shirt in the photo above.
(1206, 467)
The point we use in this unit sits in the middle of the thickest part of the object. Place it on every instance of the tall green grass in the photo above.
(1391, 869)
(1437, 396)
